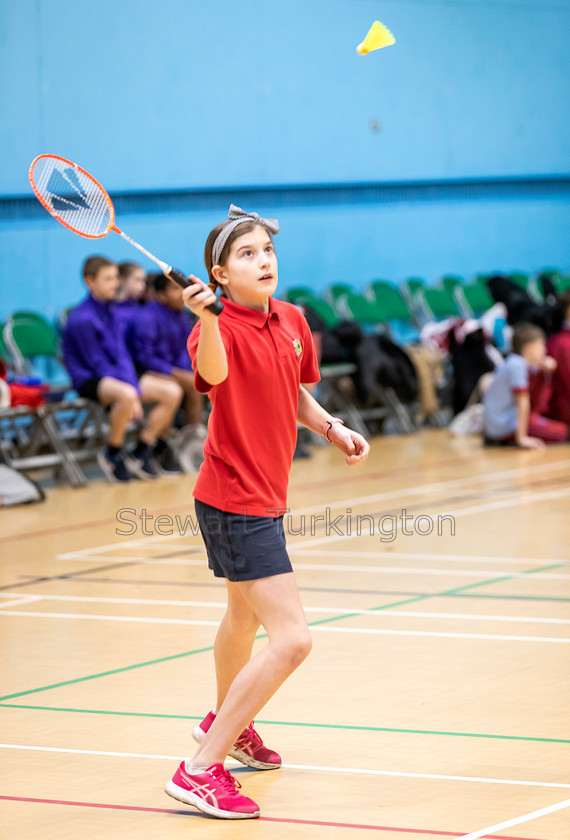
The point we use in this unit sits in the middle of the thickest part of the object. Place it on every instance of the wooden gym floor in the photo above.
(434, 703)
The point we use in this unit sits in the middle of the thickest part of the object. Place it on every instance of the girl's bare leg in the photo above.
(234, 640)
(276, 602)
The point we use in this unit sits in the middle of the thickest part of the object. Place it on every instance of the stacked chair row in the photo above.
(407, 307)
(60, 432)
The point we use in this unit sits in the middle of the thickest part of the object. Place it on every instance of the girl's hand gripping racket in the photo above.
(79, 202)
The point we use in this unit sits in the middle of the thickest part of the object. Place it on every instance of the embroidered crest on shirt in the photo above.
(297, 346)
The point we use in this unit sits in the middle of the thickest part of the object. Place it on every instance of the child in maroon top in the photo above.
(558, 346)
(252, 360)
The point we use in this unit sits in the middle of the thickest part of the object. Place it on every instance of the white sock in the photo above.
(192, 770)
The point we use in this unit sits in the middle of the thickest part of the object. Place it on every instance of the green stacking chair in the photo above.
(562, 283)
(451, 281)
(481, 279)
(473, 299)
(520, 278)
(29, 315)
(560, 280)
(391, 300)
(395, 312)
(437, 304)
(4, 352)
(320, 307)
(376, 288)
(338, 290)
(335, 293)
(411, 287)
(295, 292)
(28, 338)
(362, 309)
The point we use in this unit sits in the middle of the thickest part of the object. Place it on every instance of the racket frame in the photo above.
(174, 273)
(52, 212)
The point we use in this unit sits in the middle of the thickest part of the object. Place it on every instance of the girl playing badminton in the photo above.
(252, 360)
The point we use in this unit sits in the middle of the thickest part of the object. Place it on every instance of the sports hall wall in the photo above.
(448, 152)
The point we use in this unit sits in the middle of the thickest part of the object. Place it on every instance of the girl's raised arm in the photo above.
(211, 358)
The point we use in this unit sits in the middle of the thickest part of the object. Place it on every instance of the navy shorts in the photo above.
(243, 547)
(88, 390)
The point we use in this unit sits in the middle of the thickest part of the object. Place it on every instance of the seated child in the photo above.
(131, 292)
(559, 348)
(519, 392)
(157, 338)
(101, 368)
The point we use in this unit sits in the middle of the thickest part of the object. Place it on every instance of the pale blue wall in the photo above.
(187, 95)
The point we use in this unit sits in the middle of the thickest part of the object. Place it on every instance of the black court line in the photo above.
(69, 575)
(199, 585)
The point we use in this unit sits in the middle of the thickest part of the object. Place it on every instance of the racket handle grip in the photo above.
(180, 278)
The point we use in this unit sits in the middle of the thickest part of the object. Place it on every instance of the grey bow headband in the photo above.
(236, 217)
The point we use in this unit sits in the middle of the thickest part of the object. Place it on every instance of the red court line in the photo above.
(181, 812)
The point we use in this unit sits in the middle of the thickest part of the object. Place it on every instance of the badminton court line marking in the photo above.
(426, 468)
(311, 767)
(533, 815)
(209, 648)
(296, 723)
(372, 631)
(183, 813)
(89, 554)
(331, 567)
(343, 503)
(91, 599)
(448, 558)
(499, 504)
(20, 600)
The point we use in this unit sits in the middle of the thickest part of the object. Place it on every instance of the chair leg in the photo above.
(400, 413)
(333, 400)
(73, 471)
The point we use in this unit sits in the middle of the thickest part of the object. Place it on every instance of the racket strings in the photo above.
(72, 197)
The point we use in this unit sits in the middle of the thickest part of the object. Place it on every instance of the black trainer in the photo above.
(140, 463)
(166, 460)
(113, 466)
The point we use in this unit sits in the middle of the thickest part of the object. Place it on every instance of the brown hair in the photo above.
(127, 268)
(524, 334)
(93, 264)
(245, 227)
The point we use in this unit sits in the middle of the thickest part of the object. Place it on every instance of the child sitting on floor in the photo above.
(519, 394)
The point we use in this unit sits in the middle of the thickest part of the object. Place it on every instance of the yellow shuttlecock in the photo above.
(378, 36)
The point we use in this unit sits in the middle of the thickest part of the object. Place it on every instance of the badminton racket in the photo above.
(77, 200)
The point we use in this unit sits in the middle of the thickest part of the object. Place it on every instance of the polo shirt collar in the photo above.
(250, 316)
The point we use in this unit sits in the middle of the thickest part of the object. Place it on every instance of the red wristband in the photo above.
(329, 425)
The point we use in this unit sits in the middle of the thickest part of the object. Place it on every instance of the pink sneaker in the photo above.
(214, 791)
(248, 748)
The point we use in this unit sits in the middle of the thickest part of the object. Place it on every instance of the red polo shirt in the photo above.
(252, 429)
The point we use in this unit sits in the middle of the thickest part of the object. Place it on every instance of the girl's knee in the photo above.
(296, 649)
(303, 645)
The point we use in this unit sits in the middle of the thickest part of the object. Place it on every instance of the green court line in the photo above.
(108, 673)
(311, 624)
(293, 723)
(439, 594)
(519, 597)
